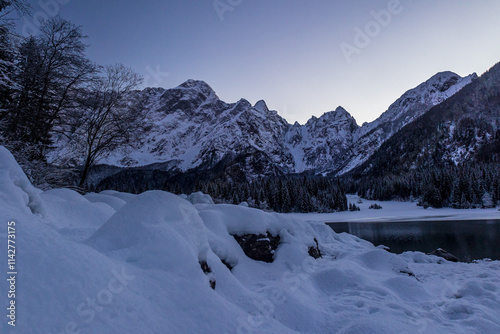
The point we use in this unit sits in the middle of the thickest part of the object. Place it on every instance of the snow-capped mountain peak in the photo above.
(197, 85)
(261, 106)
(410, 106)
(190, 127)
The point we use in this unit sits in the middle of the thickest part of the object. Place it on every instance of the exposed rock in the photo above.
(259, 247)
(208, 271)
(204, 266)
(227, 264)
(444, 254)
(314, 251)
(409, 273)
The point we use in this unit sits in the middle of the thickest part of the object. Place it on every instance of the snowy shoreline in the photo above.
(396, 212)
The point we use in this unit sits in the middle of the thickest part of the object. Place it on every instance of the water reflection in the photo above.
(467, 240)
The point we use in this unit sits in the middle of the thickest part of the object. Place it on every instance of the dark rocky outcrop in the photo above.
(208, 271)
(409, 273)
(314, 251)
(204, 266)
(227, 264)
(259, 247)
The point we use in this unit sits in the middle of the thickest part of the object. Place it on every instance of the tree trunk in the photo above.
(84, 173)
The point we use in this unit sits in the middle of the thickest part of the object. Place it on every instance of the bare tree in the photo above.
(7, 47)
(52, 69)
(108, 119)
(21, 6)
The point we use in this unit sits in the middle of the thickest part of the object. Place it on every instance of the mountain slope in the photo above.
(413, 104)
(193, 127)
(464, 128)
(316, 144)
(189, 128)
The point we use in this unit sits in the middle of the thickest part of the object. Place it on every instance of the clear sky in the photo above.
(303, 57)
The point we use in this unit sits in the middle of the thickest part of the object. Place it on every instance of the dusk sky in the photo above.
(302, 57)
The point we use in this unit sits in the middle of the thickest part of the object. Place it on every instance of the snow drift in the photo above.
(157, 263)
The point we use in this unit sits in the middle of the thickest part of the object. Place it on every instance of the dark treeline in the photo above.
(462, 187)
(298, 194)
(280, 194)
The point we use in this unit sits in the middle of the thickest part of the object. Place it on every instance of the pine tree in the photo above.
(52, 67)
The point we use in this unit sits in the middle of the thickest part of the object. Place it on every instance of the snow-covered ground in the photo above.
(396, 211)
(121, 263)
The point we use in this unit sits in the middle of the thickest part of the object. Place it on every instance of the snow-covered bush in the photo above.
(487, 201)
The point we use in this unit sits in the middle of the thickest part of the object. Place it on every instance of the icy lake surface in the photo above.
(467, 239)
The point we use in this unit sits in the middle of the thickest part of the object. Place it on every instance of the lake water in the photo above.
(467, 240)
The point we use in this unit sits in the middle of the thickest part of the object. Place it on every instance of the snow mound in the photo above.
(123, 196)
(200, 198)
(115, 202)
(73, 215)
(67, 195)
(154, 230)
(17, 190)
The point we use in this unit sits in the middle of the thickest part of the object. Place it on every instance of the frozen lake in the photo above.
(466, 239)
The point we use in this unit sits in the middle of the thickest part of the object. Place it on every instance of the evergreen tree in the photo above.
(52, 68)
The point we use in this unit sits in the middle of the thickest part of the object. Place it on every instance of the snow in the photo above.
(17, 189)
(135, 268)
(312, 145)
(393, 211)
(115, 202)
(200, 198)
(85, 216)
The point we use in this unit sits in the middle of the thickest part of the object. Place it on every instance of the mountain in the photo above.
(409, 107)
(317, 144)
(188, 128)
(463, 129)
(335, 143)
(191, 127)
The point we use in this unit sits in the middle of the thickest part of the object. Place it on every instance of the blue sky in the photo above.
(292, 54)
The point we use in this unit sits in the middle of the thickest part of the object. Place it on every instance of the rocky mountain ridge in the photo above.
(189, 127)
